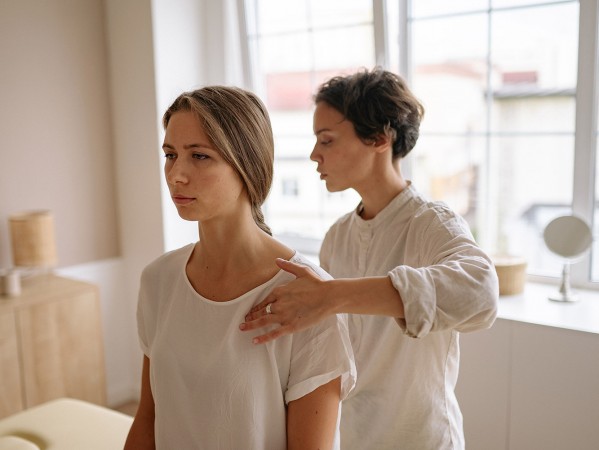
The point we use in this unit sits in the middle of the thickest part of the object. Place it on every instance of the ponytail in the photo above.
(259, 219)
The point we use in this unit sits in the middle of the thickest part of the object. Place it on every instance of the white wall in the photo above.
(135, 144)
(196, 43)
(56, 148)
(180, 65)
(119, 346)
(79, 120)
(156, 50)
(57, 153)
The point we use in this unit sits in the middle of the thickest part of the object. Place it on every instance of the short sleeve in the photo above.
(319, 355)
(143, 314)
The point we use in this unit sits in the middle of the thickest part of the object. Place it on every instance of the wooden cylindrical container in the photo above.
(511, 271)
(32, 239)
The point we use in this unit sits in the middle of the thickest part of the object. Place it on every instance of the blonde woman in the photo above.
(204, 384)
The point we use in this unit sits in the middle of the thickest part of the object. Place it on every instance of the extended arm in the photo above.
(308, 300)
(458, 290)
(141, 434)
(312, 419)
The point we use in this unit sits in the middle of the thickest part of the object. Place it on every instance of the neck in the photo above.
(229, 244)
(232, 257)
(377, 194)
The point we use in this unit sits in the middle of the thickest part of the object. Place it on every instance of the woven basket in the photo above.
(511, 271)
(32, 238)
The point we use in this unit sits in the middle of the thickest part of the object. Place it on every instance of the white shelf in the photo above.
(533, 306)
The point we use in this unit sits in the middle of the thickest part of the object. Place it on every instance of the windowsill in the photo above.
(533, 306)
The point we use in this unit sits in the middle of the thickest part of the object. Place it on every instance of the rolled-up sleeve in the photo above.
(455, 286)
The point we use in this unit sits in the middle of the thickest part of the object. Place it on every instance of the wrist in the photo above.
(332, 298)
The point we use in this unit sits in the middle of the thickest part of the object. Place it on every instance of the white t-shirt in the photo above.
(212, 387)
(404, 396)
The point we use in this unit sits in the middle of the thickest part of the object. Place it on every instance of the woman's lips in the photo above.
(181, 200)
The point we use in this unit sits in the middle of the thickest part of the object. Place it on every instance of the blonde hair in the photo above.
(237, 124)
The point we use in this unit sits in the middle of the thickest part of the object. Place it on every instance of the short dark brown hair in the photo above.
(376, 102)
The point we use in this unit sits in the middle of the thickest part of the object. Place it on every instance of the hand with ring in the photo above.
(299, 304)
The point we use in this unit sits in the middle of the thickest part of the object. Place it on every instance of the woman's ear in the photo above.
(381, 143)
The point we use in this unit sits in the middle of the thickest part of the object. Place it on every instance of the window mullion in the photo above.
(405, 66)
(246, 60)
(381, 52)
(586, 119)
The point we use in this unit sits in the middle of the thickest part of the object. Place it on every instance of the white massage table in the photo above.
(65, 424)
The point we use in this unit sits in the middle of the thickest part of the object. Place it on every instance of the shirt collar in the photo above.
(392, 207)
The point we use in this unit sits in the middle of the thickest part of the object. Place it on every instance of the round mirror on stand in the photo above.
(569, 237)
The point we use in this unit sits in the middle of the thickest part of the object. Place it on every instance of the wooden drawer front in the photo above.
(62, 351)
(10, 379)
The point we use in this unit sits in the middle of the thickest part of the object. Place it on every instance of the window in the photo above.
(295, 47)
(290, 187)
(503, 140)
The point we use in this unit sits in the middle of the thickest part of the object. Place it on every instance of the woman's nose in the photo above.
(315, 155)
(176, 172)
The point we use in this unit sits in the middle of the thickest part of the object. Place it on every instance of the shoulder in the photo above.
(168, 262)
(340, 227)
(343, 221)
(435, 216)
(298, 258)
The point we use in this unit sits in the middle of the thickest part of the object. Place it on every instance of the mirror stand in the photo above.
(569, 237)
(565, 293)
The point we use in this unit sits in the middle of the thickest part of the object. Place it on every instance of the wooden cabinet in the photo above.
(51, 344)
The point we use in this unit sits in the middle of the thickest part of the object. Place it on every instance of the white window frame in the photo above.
(585, 133)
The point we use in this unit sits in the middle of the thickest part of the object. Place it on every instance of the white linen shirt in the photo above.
(407, 368)
(212, 387)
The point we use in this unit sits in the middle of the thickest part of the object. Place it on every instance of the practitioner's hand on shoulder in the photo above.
(295, 306)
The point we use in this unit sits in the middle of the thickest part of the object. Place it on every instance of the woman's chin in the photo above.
(187, 215)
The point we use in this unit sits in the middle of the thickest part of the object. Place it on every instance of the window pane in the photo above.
(331, 37)
(274, 54)
(451, 79)
(345, 47)
(530, 180)
(534, 55)
(438, 7)
(327, 13)
(313, 210)
(449, 169)
(520, 3)
(508, 92)
(275, 16)
(552, 113)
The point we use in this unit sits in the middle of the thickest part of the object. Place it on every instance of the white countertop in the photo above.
(533, 306)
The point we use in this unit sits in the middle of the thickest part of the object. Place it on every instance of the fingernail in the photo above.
(255, 341)
(242, 326)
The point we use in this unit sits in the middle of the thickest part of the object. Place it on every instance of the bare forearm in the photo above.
(371, 295)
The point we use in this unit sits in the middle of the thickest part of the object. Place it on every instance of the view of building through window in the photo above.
(296, 47)
(498, 138)
(498, 82)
